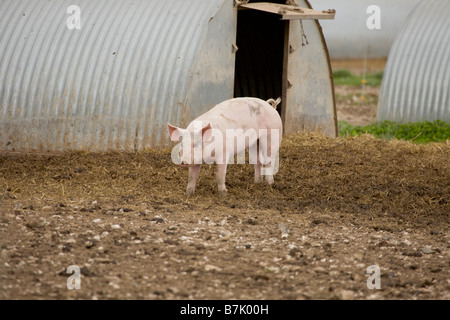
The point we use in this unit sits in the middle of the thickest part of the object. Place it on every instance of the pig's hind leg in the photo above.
(269, 150)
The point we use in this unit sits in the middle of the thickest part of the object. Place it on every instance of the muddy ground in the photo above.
(337, 207)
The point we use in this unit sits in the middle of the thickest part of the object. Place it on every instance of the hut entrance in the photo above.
(259, 60)
(263, 37)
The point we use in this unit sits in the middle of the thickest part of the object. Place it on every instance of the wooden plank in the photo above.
(284, 78)
(289, 12)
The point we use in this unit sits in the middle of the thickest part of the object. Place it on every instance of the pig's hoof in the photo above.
(190, 192)
(223, 193)
(269, 180)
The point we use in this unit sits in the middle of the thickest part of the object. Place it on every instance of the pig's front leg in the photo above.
(269, 177)
(221, 171)
(193, 175)
(258, 177)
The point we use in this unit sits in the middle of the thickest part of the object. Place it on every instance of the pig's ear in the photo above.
(206, 132)
(174, 132)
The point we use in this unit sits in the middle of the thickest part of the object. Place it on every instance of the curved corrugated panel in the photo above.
(416, 82)
(348, 36)
(98, 88)
(310, 104)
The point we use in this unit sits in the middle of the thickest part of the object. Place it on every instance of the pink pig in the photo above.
(229, 129)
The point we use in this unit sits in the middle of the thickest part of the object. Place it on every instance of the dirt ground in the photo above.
(357, 105)
(338, 206)
(360, 66)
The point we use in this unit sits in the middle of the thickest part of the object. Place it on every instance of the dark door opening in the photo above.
(259, 60)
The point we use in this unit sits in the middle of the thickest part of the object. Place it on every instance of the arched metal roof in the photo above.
(100, 87)
(133, 66)
(416, 83)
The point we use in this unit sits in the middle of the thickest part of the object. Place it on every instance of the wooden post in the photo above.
(284, 79)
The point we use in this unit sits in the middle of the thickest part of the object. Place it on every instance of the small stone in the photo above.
(114, 285)
(115, 226)
(284, 228)
(428, 250)
(412, 253)
(426, 283)
(358, 256)
(71, 240)
(34, 224)
(173, 290)
(225, 235)
(86, 272)
(158, 220)
(320, 270)
(210, 267)
(89, 244)
(334, 273)
(296, 253)
(346, 294)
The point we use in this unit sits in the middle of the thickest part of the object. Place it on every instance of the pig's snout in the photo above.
(185, 164)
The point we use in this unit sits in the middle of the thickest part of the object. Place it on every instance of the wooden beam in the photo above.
(284, 78)
(289, 12)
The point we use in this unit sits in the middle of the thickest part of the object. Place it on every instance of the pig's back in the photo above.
(242, 113)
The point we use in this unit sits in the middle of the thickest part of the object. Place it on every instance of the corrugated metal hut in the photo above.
(416, 82)
(134, 65)
(348, 36)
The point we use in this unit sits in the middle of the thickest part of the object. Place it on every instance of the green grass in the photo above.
(418, 132)
(345, 77)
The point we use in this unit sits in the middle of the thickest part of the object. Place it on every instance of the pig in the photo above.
(228, 129)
